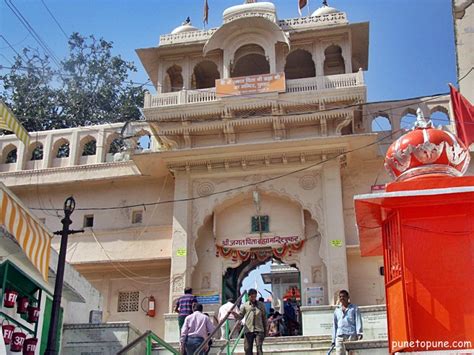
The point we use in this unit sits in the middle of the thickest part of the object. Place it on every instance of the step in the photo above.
(272, 345)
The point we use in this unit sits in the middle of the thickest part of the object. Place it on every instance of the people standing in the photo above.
(184, 306)
(274, 324)
(347, 324)
(255, 325)
(223, 310)
(196, 328)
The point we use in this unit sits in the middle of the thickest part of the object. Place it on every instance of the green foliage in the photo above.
(91, 87)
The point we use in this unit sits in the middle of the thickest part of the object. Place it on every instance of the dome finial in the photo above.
(325, 3)
(421, 121)
(249, 1)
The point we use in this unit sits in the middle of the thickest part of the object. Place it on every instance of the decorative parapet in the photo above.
(320, 83)
(269, 15)
(292, 24)
(50, 141)
(186, 37)
(297, 23)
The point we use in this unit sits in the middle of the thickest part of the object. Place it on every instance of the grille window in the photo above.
(128, 301)
(260, 224)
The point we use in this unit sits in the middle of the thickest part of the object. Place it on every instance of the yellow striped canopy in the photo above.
(30, 234)
(9, 122)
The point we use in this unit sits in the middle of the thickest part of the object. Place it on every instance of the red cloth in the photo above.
(301, 4)
(463, 116)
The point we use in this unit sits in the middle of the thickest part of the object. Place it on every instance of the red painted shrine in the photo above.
(423, 226)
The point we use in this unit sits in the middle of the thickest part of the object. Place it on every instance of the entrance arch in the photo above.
(221, 270)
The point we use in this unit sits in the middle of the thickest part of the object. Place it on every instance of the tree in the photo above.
(29, 92)
(91, 87)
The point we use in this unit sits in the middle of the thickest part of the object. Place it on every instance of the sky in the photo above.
(411, 41)
(411, 46)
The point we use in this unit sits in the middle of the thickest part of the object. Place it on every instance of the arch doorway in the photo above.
(278, 286)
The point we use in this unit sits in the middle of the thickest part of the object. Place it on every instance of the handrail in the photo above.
(237, 340)
(148, 336)
(221, 322)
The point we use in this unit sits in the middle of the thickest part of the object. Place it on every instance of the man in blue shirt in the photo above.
(347, 323)
(184, 306)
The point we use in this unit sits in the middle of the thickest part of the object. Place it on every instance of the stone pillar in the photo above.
(226, 66)
(272, 59)
(47, 151)
(318, 58)
(346, 54)
(186, 74)
(100, 146)
(334, 237)
(159, 87)
(181, 238)
(74, 148)
(21, 156)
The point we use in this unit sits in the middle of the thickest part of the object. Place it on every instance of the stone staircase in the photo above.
(300, 345)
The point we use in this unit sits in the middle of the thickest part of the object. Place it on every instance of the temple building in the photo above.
(260, 137)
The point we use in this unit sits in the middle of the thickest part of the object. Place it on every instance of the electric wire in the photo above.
(55, 20)
(32, 31)
(188, 199)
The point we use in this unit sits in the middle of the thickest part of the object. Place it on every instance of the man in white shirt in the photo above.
(223, 310)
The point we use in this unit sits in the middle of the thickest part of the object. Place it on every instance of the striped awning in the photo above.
(30, 234)
(9, 122)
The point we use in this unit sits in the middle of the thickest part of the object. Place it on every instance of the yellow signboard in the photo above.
(248, 85)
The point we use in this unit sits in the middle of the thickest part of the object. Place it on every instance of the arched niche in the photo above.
(61, 148)
(173, 79)
(88, 146)
(250, 60)
(333, 60)
(381, 123)
(299, 64)
(439, 115)
(205, 74)
(36, 151)
(408, 118)
(9, 154)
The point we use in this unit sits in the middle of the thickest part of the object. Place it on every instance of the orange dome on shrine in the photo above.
(426, 151)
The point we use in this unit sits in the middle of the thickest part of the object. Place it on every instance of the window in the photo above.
(128, 301)
(89, 220)
(260, 224)
(137, 217)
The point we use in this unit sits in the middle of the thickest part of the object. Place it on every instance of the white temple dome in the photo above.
(250, 8)
(325, 10)
(185, 27)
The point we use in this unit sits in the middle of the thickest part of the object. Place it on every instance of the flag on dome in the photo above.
(301, 4)
(463, 112)
(206, 12)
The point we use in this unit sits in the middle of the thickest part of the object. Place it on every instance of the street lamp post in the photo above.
(69, 205)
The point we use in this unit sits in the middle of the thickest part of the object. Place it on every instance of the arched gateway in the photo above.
(250, 229)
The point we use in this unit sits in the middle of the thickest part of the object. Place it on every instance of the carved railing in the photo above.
(312, 21)
(295, 85)
(286, 25)
(185, 37)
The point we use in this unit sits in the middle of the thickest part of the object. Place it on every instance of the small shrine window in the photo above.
(88, 221)
(260, 224)
(137, 217)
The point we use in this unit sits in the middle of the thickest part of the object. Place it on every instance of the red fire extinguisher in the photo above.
(151, 307)
(151, 310)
